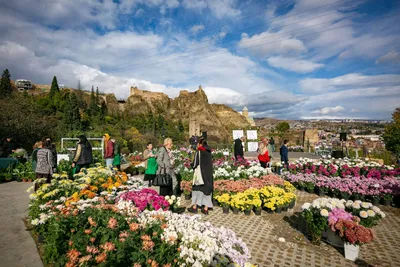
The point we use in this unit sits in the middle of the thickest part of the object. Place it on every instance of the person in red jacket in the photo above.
(108, 150)
(263, 156)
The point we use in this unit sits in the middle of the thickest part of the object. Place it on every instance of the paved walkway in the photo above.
(17, 248)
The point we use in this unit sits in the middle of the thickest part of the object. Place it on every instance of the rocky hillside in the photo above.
(217, 120)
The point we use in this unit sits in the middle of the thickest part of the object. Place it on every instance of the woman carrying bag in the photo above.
(165, 176)
(203, 181)
(151, 165)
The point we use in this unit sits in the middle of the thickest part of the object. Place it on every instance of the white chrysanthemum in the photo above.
(383, 215)
(173, 197)
(366, 205)
(324, 213)
(371, 213)
(376, 209)
(363, 214)
(305, 206)
(35, 222)
(356, 205)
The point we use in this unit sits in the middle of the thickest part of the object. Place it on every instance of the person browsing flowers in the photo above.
(202, 188)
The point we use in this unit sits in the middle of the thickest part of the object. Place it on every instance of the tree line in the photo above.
(69, 113)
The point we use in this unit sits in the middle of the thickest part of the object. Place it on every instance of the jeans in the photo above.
(272, 148)
(109, 162)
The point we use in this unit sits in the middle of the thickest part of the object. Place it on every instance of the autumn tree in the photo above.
(391, 136)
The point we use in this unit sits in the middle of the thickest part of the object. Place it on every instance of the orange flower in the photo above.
(85, 259)
(154, 264)
(108, 246)
(70, 264)
(133, 226)
(164, 225)
(101, 257)
(75, 212)
(112, 223)
(91, 249)
(73, 255)
(72, 230)
(92, 239)
(88, 231)
(137, 265)
(92, 222)
(70, 243)
(145, 238)
(167, 265)
(154, 233)
(124, 234)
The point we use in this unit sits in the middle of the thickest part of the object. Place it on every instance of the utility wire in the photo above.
(250, 41)
(240, 31)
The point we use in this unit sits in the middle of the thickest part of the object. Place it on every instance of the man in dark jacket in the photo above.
(9, 146)
(238, 148)
(284, 151)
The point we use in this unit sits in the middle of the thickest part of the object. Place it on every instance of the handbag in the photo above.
(198, 177)
(162, 178)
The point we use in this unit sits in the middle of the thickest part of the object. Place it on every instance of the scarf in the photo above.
(107, 138)
(201, 148)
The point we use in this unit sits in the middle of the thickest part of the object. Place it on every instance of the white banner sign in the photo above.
(251, 135)
(237, 134)
(252, 146)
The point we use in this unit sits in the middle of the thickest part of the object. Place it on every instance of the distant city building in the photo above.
(23, 85)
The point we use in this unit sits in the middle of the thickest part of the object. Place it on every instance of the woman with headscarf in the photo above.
(149, 156)
(202, 192)
(108, 150)
(83, 155)
(263, 155)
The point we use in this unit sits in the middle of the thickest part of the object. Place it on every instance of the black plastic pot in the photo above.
(225, 209)
(235, 210)
(257, 211)
(247, 212)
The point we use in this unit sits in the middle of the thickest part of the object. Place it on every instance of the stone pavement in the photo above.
(261, 234)
(17, 248)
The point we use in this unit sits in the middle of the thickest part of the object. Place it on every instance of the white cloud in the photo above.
(329, 110)
(351, 80)
(271, 43)
(292, 64)
(390, 57)
(197, 28)
(220, 9)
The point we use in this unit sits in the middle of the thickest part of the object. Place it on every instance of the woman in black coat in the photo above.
(202, 192)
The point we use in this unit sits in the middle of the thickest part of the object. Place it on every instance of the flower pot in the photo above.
(375, 201)
(333, 239)
(285, 208)
(29, 180)
(215, 202)
(292, 204)
(386, 202)
(300, 188)
(187, 197)
(351, 251)
(225, 209)
(310, 190)
(23, 180)
(278, 210)
(178, 210)
(247, 212)
(235, 210)
(321, 193)
(257, 211)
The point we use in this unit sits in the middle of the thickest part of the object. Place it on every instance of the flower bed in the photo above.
(355, 187)
(115, 227)
(343, 168)
(231, 186)
(328, 212)
(269, 197)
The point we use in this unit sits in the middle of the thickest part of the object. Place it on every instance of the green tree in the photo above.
(93, 106)
(282, 128)
(391, 136)
(54, 89)
(5, 84)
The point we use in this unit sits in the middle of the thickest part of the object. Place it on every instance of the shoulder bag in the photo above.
(198, 177)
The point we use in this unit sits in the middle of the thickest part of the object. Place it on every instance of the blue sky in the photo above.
(282, 58)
